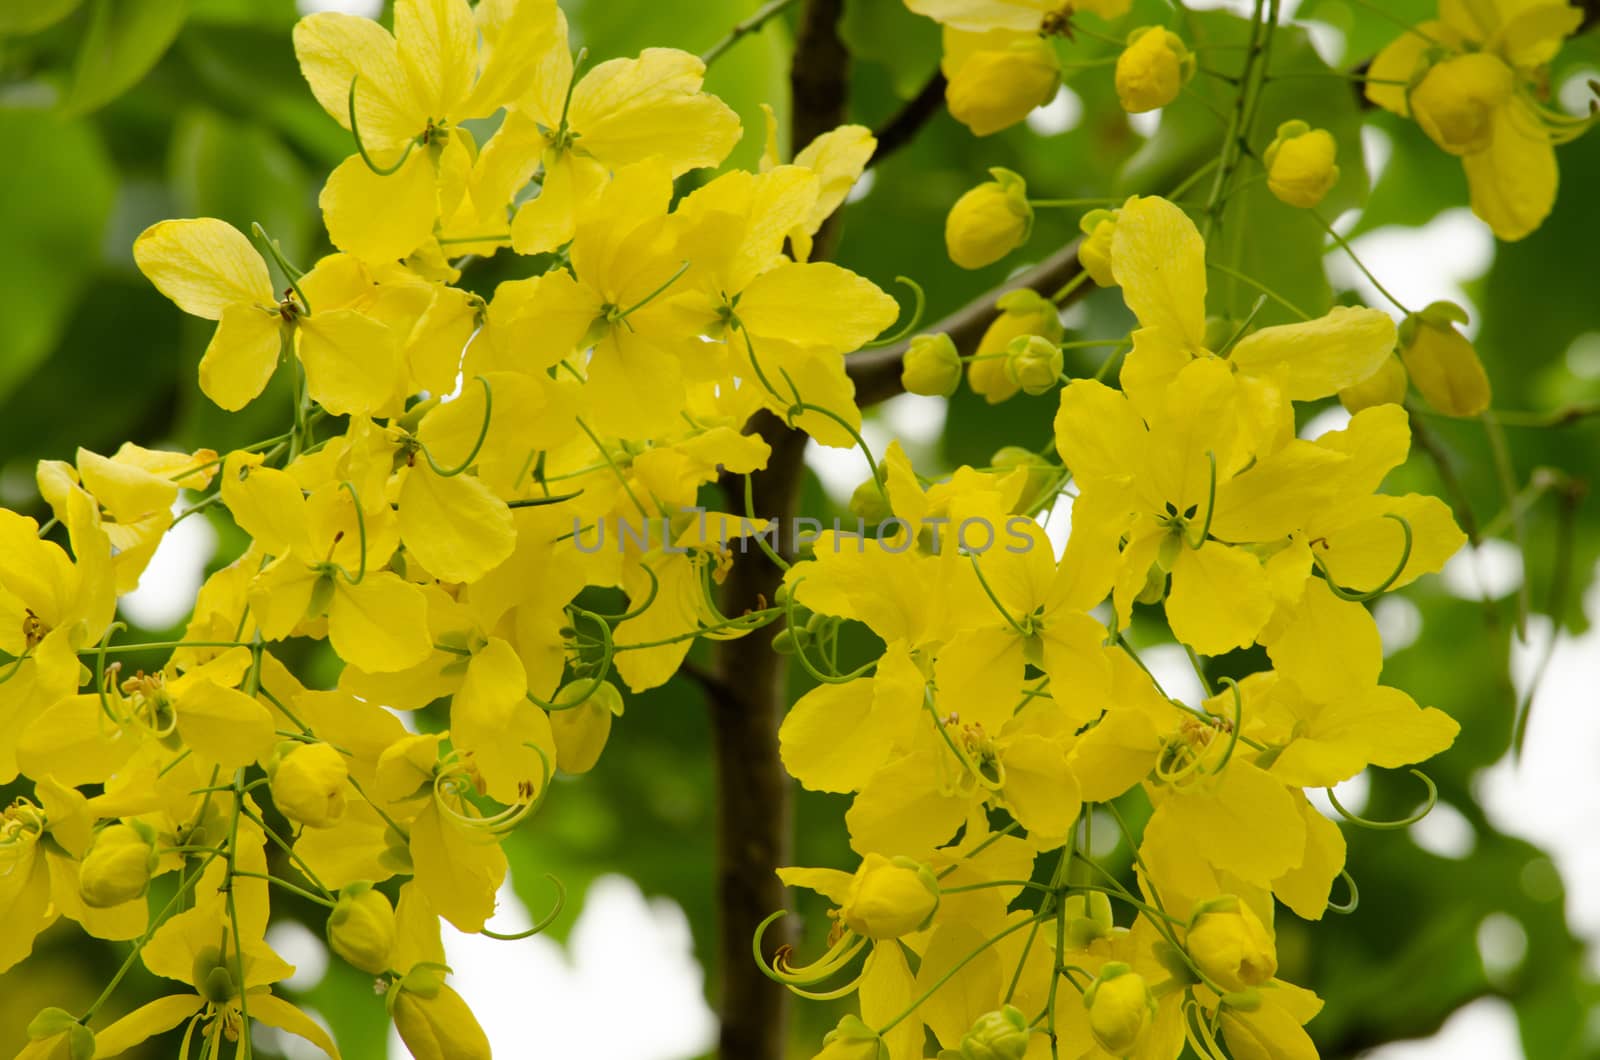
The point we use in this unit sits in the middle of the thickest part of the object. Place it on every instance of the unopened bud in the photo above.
(1094, 250)
(994, 88)
(1152, 69)
(1120, 1008)
(853, 1040)
(931, 366)
(437, 1027)
(1022, 312)
(890, 897)
(308, 783)
(1456, 100)
(56, 1034)
(581, 731)
(117, 867)
(1300, 164)
(998, 1035)
(361, 928)
(989, 221)
(1442, 362)
(1231, 945)
(1033, 363)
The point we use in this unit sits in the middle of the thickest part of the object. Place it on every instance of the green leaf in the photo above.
(241, 174)
(890, 35)
(125, 39)
(60, 201)
(30, 16)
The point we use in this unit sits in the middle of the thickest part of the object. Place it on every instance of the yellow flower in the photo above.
(55, 1034)
(1231, 945)
(989, 221)
(1120, 1008)
(1299, 162)
(1152, 69)
(998, 1035)
(1474, 80)
(931, 366)
(889, 898)
(308, 784)
(1442, 362)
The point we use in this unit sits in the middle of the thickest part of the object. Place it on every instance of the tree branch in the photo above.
(749, 694)
(903, 126)
(877, 372)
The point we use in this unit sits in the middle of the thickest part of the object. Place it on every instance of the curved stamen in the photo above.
(1400, 568)
(361, 148)
(477, 446)
(1405, 822)
(912, 321)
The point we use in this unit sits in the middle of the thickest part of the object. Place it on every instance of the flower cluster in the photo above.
(451, 462)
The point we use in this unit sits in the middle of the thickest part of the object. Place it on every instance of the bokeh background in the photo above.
(1477, 931)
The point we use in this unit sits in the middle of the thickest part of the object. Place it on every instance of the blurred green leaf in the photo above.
(125, 39)
(890, 35)
(52, 245)
(240, 174)
(31, 16)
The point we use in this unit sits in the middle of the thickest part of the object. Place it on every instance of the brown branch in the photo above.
(903, 126)
(748, 697)
(877, 372)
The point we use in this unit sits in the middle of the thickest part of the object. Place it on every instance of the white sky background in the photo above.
(627, 945)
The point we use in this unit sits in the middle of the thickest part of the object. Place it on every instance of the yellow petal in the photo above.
(437, 46)
(1363, 554)
(74, 743)
(380, 218)
(492, 720)
(1159, 260)
(224, 725)
(352, 362)
(241, 357)
(1513, 181)
(204, 265)
(334, 49)
(1247, 824)
(1330, 647)
(1306, 889)
(144, 1023)
(276, 1012)
(1220, 598)
(265, 503)
(1040, 790)
(781, 304)
(459, 876)
(1318, 358)
(903, 809)
(629, 109)
(381, 624)
(455, 527)
(1282, 492)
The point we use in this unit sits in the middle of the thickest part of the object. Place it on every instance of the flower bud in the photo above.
(1456, 100)
(1442, 362)
(853, 1040)
(361, 928)
(581, 731)
(1230, 944)
(1386, 386)
(117, 867)
(999, 1035)
(889, 898)
(868, 504)
(1300, 164)
(1094, 250)
(1088, 918)
(308, 784)
(931, 366)
(1120, 1008)
(1033, 363)
(1022, 312)
(989, 221)
(1152, 69)
(439, 1026)
(994, 88)
(212, 975)
(55, 1034)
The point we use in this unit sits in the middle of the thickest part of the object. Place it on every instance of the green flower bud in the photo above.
(1231, 945)
(361, 928)
(308, 783)
(989, 221)
(437, 1027)
(1034, 364)
(1088, 918)
(889, 898)
(57, 1035)
(1120, 1008)
(853, 1040)
(212, 975)
(868, 503)
(1021, 312)
(999, 1035)
(931, 366)
(117, 867)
